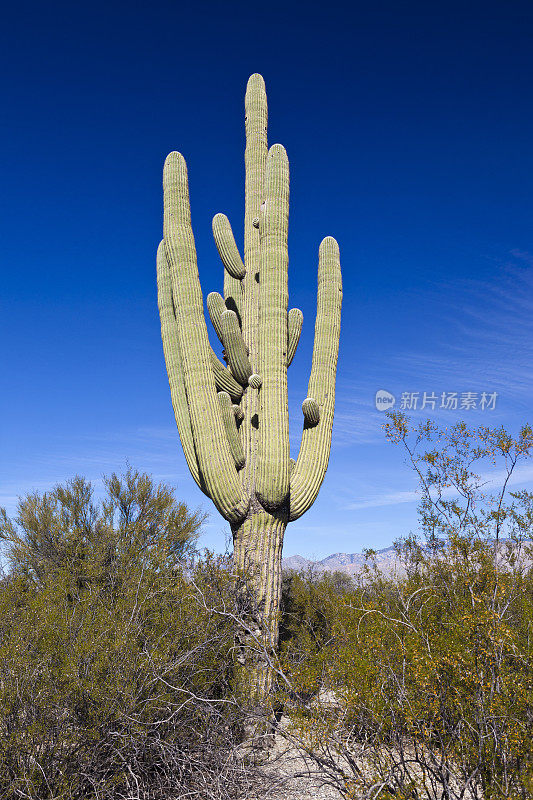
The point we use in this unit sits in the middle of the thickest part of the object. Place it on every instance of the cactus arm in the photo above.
(233, 296)
(255, 381)
(308, 474)
(230, 424)
(234, 270)
(212, 449)
(236, 350)
(227, 249)
(272, 479)
(295, 320)
(216, 307)
(171, 350)
(224, 380)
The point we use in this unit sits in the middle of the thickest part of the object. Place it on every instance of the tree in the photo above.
(430, 668)
(116, 649)
(65, 530)
(233, 420)
(120, 694)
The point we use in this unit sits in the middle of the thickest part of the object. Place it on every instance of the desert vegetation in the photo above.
(114, 662)
(428, 671)
(120, 644)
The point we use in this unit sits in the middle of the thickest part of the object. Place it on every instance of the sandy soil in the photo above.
(288, 775)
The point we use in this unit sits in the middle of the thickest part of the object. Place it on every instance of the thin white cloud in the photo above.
(492, 481)
(487, 335)
(392, 499)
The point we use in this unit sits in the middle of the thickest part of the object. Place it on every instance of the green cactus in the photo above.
(233, 420)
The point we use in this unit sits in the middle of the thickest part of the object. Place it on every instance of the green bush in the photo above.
(66, 531)
(431, 669)
(115, 656)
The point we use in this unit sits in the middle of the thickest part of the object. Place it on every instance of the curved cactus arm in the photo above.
(236, 350)
(272, 479)
(216, 307)
(227, 249)
(230, 424)
(212, 449)
(171, 349)
(308, 474)
(234, 270)
(295, 320)
(224, 380)
(233, 295)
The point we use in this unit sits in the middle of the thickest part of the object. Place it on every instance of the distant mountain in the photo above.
(351, 563)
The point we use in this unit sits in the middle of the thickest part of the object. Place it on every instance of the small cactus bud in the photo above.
(311, 411)
(255, 381)
(239, 413)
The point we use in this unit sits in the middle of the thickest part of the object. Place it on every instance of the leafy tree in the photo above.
(115, 653)
(431, 669)
(119, 695)
(66, 531)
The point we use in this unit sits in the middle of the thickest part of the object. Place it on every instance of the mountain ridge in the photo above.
(350, 563)
(386, 561)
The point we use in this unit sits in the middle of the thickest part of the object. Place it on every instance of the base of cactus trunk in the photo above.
(257, 549)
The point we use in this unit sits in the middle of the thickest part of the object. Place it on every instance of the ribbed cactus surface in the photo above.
(232, 417)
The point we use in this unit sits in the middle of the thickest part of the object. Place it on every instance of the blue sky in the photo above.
(408, 129)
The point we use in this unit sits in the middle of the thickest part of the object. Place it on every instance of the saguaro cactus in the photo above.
(233, 419)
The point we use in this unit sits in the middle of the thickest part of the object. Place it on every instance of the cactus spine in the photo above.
(233, 420)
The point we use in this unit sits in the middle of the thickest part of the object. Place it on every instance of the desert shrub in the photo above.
(302, 599)
(115, 656)
(432, 671)
(306, 624)
(66, 530)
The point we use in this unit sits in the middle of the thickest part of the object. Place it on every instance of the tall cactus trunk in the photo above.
(257, 549)
(233, 420)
